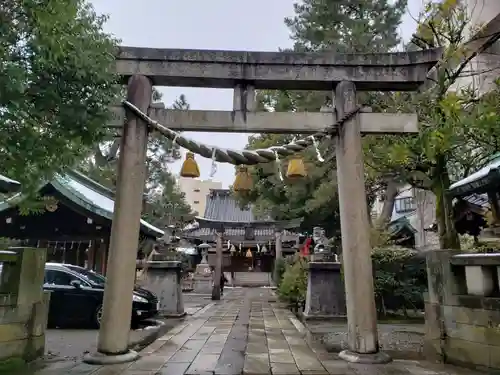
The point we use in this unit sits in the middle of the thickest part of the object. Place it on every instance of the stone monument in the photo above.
(203, 274)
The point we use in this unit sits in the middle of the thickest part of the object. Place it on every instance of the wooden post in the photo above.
(117, 306)
(91, 255)
(355, 229)
(495, 207)
(278, 253)
(216, 292)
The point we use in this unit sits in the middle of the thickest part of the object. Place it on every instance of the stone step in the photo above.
(252, 279)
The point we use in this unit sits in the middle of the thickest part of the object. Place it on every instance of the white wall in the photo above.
(481, 13)
(196, 192)
(421, 218)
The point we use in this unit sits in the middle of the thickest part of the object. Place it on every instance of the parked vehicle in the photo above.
(77, 296)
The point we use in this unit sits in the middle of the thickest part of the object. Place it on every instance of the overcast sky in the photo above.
(215, 24)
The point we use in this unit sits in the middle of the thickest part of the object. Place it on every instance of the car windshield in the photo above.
(92, 277)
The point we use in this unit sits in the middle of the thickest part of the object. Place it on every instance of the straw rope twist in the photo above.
(240, 157)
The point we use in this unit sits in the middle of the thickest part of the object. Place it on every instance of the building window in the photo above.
(196, 202)
(196, 190)
(406, 204)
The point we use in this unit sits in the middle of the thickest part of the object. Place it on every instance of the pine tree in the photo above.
(343, 26)
(347, 26)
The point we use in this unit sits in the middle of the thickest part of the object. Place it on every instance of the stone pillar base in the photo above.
(325, 297)
(164, 279)
(370, 358)
(202, 279)
(98, 358)
(202, 286)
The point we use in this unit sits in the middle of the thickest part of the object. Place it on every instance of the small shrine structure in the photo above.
(477, 206)
(73, 223)
(249, 244)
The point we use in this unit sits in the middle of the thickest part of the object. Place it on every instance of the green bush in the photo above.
(484, 247)
(400, 279)
(293, 286)
(279, 270)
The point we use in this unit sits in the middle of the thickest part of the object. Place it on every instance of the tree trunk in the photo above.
(448, 236)
(390, 194)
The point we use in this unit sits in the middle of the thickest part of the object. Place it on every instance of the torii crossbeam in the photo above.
(342, 75)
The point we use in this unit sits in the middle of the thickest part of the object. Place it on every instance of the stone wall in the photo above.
(23, 304)
(462, 309)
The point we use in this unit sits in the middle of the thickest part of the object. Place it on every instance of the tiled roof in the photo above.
(7, 185)
(476, 182)
(222, 206)
(396, 226)
(88, 194)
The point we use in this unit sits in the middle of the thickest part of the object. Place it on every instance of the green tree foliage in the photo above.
(56, 83)
(458, 128)
(293, 286)
(340, 26)
(347, 26)
(165, 203)
(399, 277)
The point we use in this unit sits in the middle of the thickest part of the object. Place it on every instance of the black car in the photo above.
(77, 296)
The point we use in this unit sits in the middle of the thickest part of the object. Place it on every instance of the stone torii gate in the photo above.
(141, 68)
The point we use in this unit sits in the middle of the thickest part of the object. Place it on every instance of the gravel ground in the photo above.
(401, 341)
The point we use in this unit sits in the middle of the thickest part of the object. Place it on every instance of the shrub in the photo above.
(400, 279)
(293, 286)
(485, 247)
(280, 266)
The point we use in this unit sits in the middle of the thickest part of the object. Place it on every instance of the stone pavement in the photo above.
(246, 333)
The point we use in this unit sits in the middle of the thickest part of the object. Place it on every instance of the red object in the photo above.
(304, 251)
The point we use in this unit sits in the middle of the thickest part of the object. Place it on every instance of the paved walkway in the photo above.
(246, 333)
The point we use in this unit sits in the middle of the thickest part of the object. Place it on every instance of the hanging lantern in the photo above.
(249, 253)
(243, 181)
(232, 250)
(296, 168)
(190, 167)
(264, 249)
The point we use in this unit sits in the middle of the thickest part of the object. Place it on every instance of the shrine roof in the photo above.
(223, 206)
(397, 226)
(238, 234)
(88, 194)
(7, 185)
(479, 181)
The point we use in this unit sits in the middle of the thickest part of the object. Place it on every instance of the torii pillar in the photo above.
(116, 310)
(355, 229)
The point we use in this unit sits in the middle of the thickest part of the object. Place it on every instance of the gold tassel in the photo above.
(190, 167)
(296, 168)
(243, 181)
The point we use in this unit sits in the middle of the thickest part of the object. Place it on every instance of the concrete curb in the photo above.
(153, 334)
